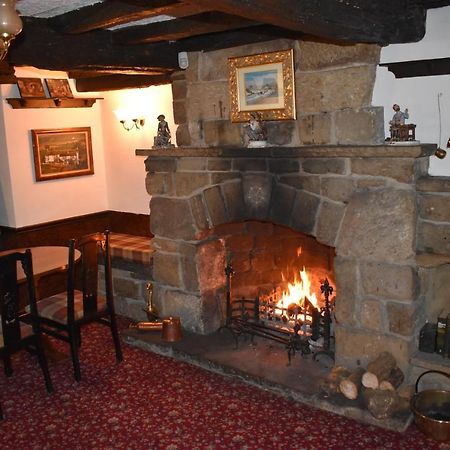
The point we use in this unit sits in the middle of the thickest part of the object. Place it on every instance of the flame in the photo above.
(298, 291)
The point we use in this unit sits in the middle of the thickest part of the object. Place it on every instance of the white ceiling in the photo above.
(50, 8)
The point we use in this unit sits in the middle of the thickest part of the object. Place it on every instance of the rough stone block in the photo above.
(222, 177)
(257, 191)
(318, 55)
(434, 207)
(179, 88)
(208, 101)
(191, 164)
(125, 287)
(333, 90)
(234, 200)
(282, 203)
(284, 165)
(400, 169)
(250, 164)
(337, 188)
(371, 316)
(305, 211)
(325, 166)
(315, 129)
(401, 319)
(179, 112)
(355, 346)
(219, 164)
(370, 183)
(222, 133)
(280, 133)
(379, 225)
(156, 164)
(183, 136)
(309, 183)
(155, 183)
(166, 269)
(363, 126)
(215, 205)
(346, 272)
(198, 209)
(434, 238)
(186, 183)
(328, 222)
(171, 218)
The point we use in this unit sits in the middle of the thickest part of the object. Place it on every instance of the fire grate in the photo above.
(298, 328)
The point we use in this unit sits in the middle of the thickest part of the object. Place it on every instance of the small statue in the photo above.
(163, 137)
(255, 131)
(401, 132)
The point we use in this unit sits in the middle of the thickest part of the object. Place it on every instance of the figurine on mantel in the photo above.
(255, 131)
(163, 137)
(401, 133)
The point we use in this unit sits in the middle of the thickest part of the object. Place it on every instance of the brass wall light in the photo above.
(10, 25)
(129, 120)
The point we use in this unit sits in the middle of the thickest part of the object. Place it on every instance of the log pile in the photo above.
(378, 386)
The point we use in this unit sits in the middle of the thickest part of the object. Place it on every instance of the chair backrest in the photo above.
(9, 296)
(84, 276)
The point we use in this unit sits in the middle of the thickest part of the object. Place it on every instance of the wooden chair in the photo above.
(62, 315)
(19, 331)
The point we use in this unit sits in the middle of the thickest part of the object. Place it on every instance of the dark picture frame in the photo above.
(62, 153)
(263, 83)
(31, 88)
(58, 88)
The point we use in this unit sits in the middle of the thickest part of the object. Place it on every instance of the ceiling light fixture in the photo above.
(10, 25)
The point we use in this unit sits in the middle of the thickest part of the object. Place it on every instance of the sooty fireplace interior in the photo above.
(354, 207)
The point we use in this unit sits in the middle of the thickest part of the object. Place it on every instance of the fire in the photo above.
(298, 291)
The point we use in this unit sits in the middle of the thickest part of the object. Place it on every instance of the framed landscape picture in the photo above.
(30, 87)
(62, 153)
(263, 83)
(58, 88)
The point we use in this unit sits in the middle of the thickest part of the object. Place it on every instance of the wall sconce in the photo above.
(10, 25)
(127, 120)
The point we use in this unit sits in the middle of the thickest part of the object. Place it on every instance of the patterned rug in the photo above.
(154, 402)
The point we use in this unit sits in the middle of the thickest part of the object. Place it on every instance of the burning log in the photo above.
(351, 385)
(384, 404)
(378, 370)
(393, 381)
(331, 383)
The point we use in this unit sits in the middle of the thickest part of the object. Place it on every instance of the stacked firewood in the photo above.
(379, 386)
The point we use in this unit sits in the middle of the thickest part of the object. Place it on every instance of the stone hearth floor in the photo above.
(263, 364)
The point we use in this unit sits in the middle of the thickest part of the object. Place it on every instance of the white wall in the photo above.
(421, 94)
(118, 182)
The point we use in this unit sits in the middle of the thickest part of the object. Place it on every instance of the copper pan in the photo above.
(171, 329)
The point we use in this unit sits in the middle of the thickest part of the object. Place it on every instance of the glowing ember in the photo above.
(297, 292)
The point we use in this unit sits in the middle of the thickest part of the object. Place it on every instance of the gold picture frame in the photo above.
(264, 83)
(62, 153)
(58, 88)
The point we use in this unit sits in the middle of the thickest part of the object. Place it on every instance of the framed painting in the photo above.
(58, 88)
(62, 153)
(263, 83)
(30, 87)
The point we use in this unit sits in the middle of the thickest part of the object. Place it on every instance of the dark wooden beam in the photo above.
(381, 22)
(97, 71)
(40, 46)
(172, 30)
(117, 82)
(114, 12)
(419, 68)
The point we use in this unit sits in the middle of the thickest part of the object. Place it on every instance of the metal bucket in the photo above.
(431, 410)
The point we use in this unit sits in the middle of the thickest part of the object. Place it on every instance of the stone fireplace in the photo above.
(360, 202)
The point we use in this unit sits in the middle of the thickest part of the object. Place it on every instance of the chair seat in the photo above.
(55, 307)
(25, 331)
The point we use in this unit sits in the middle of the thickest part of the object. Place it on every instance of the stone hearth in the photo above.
(360, 200)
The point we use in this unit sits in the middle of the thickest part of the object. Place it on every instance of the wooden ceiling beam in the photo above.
(172, 30)
(382, 22)
(118, 82)
(40, 46)
(115, 12)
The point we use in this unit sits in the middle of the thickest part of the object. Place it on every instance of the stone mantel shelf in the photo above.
(331, 151)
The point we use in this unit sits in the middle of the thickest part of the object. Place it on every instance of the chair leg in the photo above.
(74, 338)
(43, 363)
(116, 338)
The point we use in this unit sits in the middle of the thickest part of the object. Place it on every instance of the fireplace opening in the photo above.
(272, 279)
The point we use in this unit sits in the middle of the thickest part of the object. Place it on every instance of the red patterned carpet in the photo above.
(154, 402)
